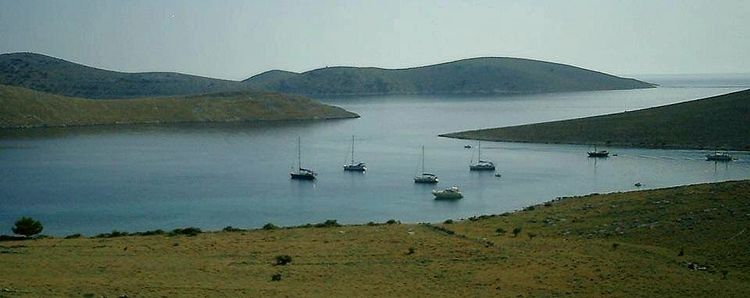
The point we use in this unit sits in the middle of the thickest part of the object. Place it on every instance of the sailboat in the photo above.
(425, 177)
(355, 167)
(302, 173)
(598, 153)
(481, 165)
(719, 156)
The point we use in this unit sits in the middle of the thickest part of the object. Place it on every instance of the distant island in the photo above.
(22, 108)
(58, 76)
(491, 75)
(719, 122)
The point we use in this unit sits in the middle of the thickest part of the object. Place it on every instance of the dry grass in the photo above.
(623, 244)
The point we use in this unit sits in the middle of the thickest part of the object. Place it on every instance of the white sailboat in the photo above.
(425, 177)
(302, 173)
(355, 166)
(481, 165)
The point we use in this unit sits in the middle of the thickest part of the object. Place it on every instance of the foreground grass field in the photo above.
(680, 242)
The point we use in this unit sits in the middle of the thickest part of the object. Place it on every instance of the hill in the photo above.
(53, 75)
(28, 108)
(686, 241)
(470, 76)
(717, 122)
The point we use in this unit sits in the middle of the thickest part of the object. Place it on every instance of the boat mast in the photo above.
(352, 149)
(422, 159)
(479, 148)
(299, 153)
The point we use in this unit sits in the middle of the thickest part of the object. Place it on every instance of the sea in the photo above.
(93, 180)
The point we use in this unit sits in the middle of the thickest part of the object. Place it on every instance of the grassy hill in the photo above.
(717, 122)
(678, 242)
(53, 75)
(27, 108)
(469, 76)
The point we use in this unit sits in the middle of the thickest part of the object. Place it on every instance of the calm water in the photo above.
(94, 180)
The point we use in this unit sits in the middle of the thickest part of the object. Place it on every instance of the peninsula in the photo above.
(719, 122)
(22, 108)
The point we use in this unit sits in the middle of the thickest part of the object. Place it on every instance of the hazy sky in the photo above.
(237, 39)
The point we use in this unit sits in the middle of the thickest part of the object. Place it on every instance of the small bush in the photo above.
(283, 260)
(73, 236)
(372, 224)
(448, 221)
(27, 226)
(190, 231)
(516, 230)
(276, 277)
(328, 223)
(392, 221)
(530, 208)
(270, 226)
(231, 229)
(500, 231)
(152, 232)
(113, 234)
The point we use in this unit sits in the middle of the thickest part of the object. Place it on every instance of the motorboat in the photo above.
(451, 193)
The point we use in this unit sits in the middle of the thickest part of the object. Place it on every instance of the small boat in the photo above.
(301, 173)
(719, 156)
(355, 166)
(451, 193)
(637, 184)
(481, 165)
(498, 175)
(598, 153)
(425, 177)
(467, 146)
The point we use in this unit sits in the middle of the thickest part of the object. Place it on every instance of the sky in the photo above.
(237, 39)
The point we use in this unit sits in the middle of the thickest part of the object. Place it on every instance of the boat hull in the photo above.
(599, 154)
(302, 176)
(481, 168)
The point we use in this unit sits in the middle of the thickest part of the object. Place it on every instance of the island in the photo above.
(485, 75)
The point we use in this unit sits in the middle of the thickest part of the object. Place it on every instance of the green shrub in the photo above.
(270, 226)
(276, 277)
(191, 231)
(27, 226)
(500, 231)
(283, 260)
(152, 232)
(392, 221)
(516, 230)
(231, 229)
(328, 223)
(448, 221)
(73, 236)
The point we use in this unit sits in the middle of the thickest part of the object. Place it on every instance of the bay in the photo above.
(134, 178)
